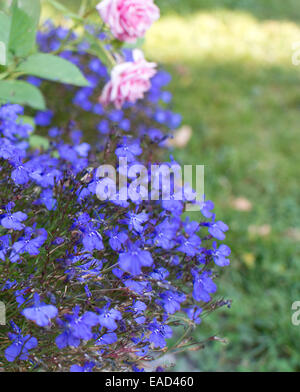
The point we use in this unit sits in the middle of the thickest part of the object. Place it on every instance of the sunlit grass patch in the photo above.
(221, 36)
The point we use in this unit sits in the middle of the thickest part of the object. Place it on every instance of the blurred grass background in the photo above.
(236, 87)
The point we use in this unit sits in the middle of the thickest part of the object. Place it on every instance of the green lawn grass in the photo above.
(235, 85)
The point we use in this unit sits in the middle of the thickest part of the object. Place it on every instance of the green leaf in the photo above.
(138, 44)
(4, 5)
(98, 50)
(65, 10)
(27, 120)
(40, 142)
(24, 22)
(48, 66)
(23, 93)
(32, 8)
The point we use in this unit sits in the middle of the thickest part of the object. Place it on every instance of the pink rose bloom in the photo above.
(128, 19)
(129, 81)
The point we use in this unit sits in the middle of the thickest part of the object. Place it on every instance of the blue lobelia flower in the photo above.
(203, 286)
(108, 317)
(66, 338)
(116, 238)
(13, 220)
(190, 246)
(107, 338)
(128, 149)
(216, 229)
(44, 118)
(173, 120)
(116, 115)
(103, 127)
(19, 296)
(220, 255)
(91, 238)
(20, 345)
(82, 325)
(34, 80)
(125, 124)
(40, 313)
(159, 333)
(20, 174)
(134, 259)
(86, 368)
(46, 198)
(76, 327)
(142, 351)
(160, 273)
(194, 313)
(172, 205)
(4, 246)
(171, 300)
(27, 244)
(206, 207)
(138, 307)
(135, 221)
(10, 112)
(165, 234)
(138, 287)
(92, 267)
(98, 67)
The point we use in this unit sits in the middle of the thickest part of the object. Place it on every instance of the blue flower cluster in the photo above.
(95, 285)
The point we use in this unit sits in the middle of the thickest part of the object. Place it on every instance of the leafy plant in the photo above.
(18, 30)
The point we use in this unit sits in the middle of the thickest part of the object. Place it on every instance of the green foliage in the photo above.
(18, 29)
(32, 8)
(23, 93)
(37, 141)
(68, 9)
(96, 49)
(64, 10)
(48, 66)
(23, 27)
